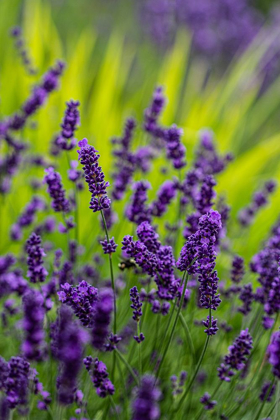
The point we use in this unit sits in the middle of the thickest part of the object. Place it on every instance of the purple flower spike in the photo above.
(265, 394)
(36, 270)
(237, 271)
(99, 376)
(56, 191)
(273, 352)
(176, 151)
(69, 125)
(137, 211)
(206, 401)
(247, 214)
(33, 348)
(94, 176)
(109, 247)
(153, 112)
(136, 304)
(145, 405)
(165, 195)
(102, 318)
(237, 356)
(82, 299)
(67, 347)
(210, 329)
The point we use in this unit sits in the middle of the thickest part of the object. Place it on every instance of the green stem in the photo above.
(114, 406)
(272, 408)
(173, 327)
(139, 350)
(194, 375)
(127, 365)
(188, 335)
(111, 272)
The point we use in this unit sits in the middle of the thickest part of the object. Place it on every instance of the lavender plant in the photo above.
(73, 318)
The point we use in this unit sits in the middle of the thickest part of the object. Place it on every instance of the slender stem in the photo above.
(114, 406)
(173, 327)
(139, 350)
(188, 335)
(194, 375)
(272, 408)
(111, 272)
(125, 362)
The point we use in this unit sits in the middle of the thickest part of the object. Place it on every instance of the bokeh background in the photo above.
(218, 65)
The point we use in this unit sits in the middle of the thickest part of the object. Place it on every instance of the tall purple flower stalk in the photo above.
(124, 160)
(33, 326)
(71, 120)
(247, 214)
(165, 195)
(68, 344)
(136, 305)
(198, 256)
(273, 352)
(137, 211)
(82, 299)
(94, 176)
(36, 270)
(237, 356)
(56, 191)
(99, 376)
(102, 318)
(145, 405)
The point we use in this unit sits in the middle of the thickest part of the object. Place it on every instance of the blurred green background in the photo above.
(112, 70)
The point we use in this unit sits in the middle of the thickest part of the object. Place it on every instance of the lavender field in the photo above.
(139, 210)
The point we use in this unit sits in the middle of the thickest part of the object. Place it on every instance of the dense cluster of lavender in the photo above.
(106, 329)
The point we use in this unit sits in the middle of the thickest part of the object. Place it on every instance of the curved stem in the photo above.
(173, 327)
(194, 375)
(125, 362)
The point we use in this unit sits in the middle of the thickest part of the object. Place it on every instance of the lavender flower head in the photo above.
(137, 211)
(82, 299)
(206, 401)
(56, 191)
(237, 271)
(145, 405)
(153, 112)
(102, 318)
(36, 270)
(267, 392)
(94, 176)
(237, 356)
(99, 376)
(165, 195)
(175, 149)
(273, 352)
(69, 125)
(68, 344)
(33, 325)
(110, 246)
